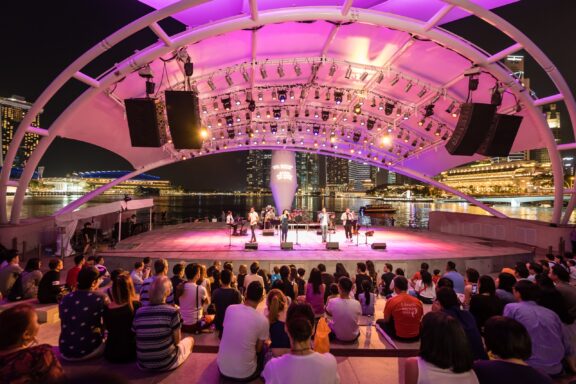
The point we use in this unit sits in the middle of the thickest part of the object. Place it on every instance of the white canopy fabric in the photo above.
(103, 209)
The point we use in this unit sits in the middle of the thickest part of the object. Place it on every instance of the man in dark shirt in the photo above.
(386, 278)
(301, 282)
(361, 276)
(50, 286)
(284, 284)
(327, 280)
(222, 298)
(177, 277)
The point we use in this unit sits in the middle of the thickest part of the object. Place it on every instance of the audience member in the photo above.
(372, 272)
(457, 278)
(240, 352)
(386, 280)
(485, 304)
(302, 365)
(315, 291)
(215, 284)
(340, 271)
(20, 360)
(160, 269)
(253, 276)
(157, 326)
(146, 269)
(549, 345)
(277, 304)
(300, 282)
(361, 275)
(402, 313)
(72, 275)
(333, 292)
(10, 272)
(276, 275)
(424, 287)
(445, 355)
(99, 264)
(81, 325)
(284, 284)
(505, 283)
(533, 270)
(572, 268)
(50, 288)
(551, 298)
(561, 278)
(436, 276)
(192, 297)
(509, 346)
(137, 276)
(30, 278)
(471, 286)
(521, 272)
(451, 306)
(242, 272)
(327, 280)
(177, 275)
(118, 318)
(265, 278)
(224, 297)
(345, 312)
(367, 298)
(417, 275)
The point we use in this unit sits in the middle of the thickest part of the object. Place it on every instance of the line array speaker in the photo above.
(501, 135)
(145, 122)
(183, 114)
(473, 124)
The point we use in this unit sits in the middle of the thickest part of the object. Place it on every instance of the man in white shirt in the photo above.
(192, 299)
(302, 365)
(231, 222)
(240, 352)
(253, 276)
(347, 219)
(323, 219)
(344, 312)
(253, 219)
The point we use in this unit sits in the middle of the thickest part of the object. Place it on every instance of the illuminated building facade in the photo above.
(258, 171)
(336, 174)
(308, 172)
(12, 112)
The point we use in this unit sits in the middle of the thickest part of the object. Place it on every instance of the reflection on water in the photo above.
(180, 207)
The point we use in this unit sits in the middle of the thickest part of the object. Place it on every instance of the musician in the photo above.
(268, 217)
(347, 219)
(253, 219)
(323, 220)
(284, 225)
(231, 222)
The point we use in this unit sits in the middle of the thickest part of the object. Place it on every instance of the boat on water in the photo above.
(378, 209)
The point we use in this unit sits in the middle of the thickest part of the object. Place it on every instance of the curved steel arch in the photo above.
(294, 14)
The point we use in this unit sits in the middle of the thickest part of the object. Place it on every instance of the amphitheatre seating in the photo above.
(47, 313)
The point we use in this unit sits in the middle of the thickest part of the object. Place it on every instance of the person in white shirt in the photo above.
(302, 365)
(231, 222)
(345, 312)
(347, 219)
(253, 276)
(253, 219)
(192, 298)
(240, 354)
(136, 276)
(323, 219)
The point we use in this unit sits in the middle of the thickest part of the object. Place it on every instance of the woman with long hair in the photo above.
(471, 287)
(340, 271)
(315, 292)
(367, 298)
(118, 317)
(485, 304)
(284, 225)
(277, 304)
(31, 278)
(372, 270)
(425, 288)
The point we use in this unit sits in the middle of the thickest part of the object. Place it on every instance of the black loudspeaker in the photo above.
(268, 232)
(378, 245)
(332, 245)
(251, 246)
(183, 114)
(473, 125)
(144, 122)
(287, 246)
(501, 135)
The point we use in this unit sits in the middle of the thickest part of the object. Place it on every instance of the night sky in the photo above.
(40, 38)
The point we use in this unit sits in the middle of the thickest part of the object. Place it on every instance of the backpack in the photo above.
(17, 291)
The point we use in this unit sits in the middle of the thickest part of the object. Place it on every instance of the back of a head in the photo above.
(445, 282)
(300, 321)
(451, 266)
(527, 290)
(177, 269)
(537, 268)
(123, 289)
(322, 267)
(426, 278)
(53, 263)
(370, 266)
(138, 265)
(254, 292)
(345, 284)
(146, 260)
(472, 275)
(160, 266)
(159, 290)
(444, 343)
(14, 322)
(544, 281)
(284, 272)
(486, 285)
(11, 255)
(401, 283)
(521, 270)
(276, 302)
(447, 298)
(507, 338)
(254, 267)
(229, 266)
(561, 272)
(506, 281)
(389, 267)
(424, 266)
(192, 270)
(301, 272)
(33, 264)
(315, 277)
(361, 267)
(242, 269)
(78, 259)
(399, 272)
(86, 277)
(226, 277)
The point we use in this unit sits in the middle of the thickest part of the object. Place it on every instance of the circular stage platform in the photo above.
(405, 248)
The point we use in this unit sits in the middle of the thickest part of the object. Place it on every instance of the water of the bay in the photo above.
(188, 207)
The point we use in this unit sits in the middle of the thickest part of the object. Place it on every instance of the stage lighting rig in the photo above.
(231, 133)
(356, 137)
(388, 108)
(315, 130)
(325, 115)
(370, 124)
(277, 113)
(227, 103)
(229, 121)
(358, 109)
(252, 106)
(273, 128)
(429, 110)
(338, 97)
(282, 95)
(229, 80)
(332, 70)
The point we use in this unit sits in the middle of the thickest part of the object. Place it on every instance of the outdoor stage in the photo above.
(206, 242)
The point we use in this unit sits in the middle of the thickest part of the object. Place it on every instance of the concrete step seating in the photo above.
(47, 313)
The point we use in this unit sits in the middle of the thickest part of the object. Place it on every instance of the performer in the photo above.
(284, 225)
(347, 219)
(253, 219)
(231, 222)
(323, 219)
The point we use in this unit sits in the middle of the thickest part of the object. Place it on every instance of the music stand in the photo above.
(357, 232)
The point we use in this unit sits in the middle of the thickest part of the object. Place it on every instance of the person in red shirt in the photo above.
(72, 276)
(402, 314)
(417, 276)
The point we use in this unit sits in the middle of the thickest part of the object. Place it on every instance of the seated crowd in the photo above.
(471, 328)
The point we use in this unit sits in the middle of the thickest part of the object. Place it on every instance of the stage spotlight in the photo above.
(291, 94)
(380, 77)
(263, 72)
(297, 69)
(356, 137)
(370, 124)
(307, 112)
(332, 70)
(438, 131)
(316, 115)
(238, 118)
(380, 105)
(150, 87)
(406, 115)
(236, 100)
(328, 95)
(395, 80)
(231, 133)
(248, 117)
(274, 94)
(473, 83)
(398, 111)
(258, 115)
(188, 68)
(338, 96)
(284, 141)
(252, 106)
(277, 113)
(408, 86)
(358, 109)
(215, 105)
(348, 72)
(280, 70)
(317, 94)
(445, 136)
(325, 115)
(302, 93)
(282, 95)
(273, 128)
(422, 92)
(204, 109)
(245, 75)
(229, 80)
(388, 108)
(429, 110)
(364, 76)
(315, 130)
(229, 121)
(362, 122)
(456, 112)
(451, 107)
(227, 103)
(210, 83)
(421, 122)
(386, 140)
(260, 96)
(373, 104)
(268, 114)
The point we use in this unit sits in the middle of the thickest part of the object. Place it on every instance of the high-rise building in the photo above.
(12, 112)
(358, 176)
(258, 171)
(553, 120)
(308, 172)
(336, 174)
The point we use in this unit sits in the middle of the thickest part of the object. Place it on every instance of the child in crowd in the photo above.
(276, 275)
(435, 276)
(333, 292)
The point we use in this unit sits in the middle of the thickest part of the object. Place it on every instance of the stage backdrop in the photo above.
(283, 180)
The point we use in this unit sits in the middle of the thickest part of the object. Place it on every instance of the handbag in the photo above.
(322, 338)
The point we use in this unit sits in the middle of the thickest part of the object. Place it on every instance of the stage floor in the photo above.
(210, 241)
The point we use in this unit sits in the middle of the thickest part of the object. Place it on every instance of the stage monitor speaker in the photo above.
(251, 246)
(473, 125)
(378, 245)
(287, 246)
(144, 122)
(501, 135)
(332, 245)
(183, 114)
(268, 232)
